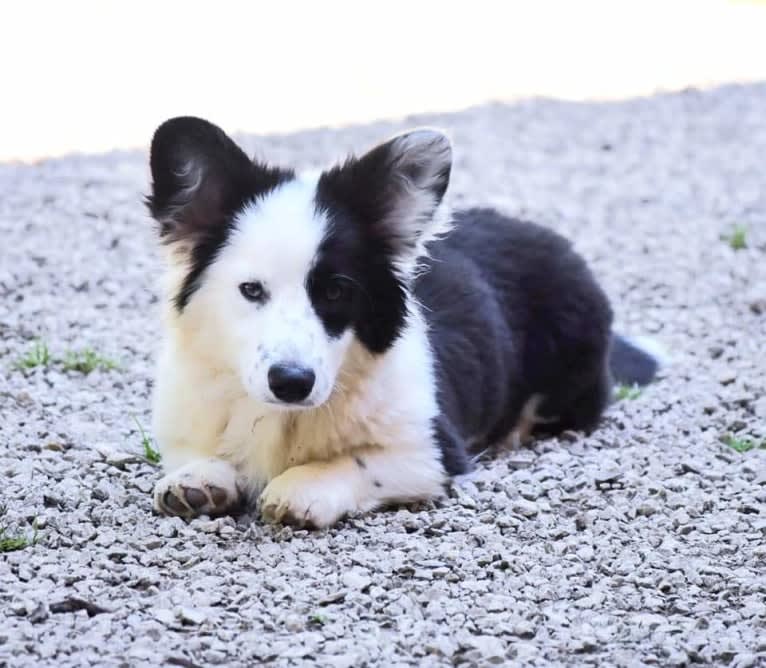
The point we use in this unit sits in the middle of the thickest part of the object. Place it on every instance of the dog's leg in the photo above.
(201, 487)
(529, 418)
(318, 494)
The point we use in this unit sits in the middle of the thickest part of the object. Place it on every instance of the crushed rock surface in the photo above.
(643, 544)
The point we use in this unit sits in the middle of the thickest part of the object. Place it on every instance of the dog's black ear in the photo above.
(200, 177)
(196, 172)
(395, 188)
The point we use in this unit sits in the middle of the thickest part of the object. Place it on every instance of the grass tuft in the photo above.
(87, 360)
(151, 454)
(83, 361)
(622, 392)
(738, 238)
(38, 355)
(13, 542)
(743, 444)
(317, 619)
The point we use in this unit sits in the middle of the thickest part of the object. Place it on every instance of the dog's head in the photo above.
(274, 275)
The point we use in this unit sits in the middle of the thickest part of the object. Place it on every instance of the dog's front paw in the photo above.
(308, 495)
(202, 487)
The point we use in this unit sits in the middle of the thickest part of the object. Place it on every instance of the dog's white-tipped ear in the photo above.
(395, 188)
(424, 158)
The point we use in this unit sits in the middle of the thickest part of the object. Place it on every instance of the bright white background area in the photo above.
(93, 76)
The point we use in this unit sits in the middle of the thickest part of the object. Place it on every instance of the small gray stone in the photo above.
(646, 509)
(167, 617)
(294, 623)
(356, 580)
(759, 407)
(586, 553)
(524, 507)
(487, 649)
(191, 615)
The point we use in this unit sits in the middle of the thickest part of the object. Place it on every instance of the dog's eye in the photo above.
(337, 290)
(253, 291)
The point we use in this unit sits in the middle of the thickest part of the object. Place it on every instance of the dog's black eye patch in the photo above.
(338, 289)
(334, 299)
(354, 284)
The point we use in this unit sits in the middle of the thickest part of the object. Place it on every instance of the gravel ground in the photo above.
(642, 544)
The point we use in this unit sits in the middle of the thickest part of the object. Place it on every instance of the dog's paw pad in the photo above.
(285, 515)
(196, 498)
(172, 505)
(218, 495)
(306, 496)
(191, 492)
(186, 501)
(271, 513)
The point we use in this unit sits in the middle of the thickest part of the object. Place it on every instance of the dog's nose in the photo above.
(291, 382)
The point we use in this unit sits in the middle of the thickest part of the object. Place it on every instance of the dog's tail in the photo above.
(635, 361)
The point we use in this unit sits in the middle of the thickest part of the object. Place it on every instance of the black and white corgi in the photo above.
(339, 341)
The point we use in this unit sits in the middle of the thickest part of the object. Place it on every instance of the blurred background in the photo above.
(94, 76)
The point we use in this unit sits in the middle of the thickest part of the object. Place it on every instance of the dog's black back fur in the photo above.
(513, 311)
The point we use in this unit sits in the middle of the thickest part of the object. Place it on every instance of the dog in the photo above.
(338, 341)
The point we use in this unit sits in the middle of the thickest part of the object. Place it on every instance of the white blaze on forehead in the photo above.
(275, 239)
